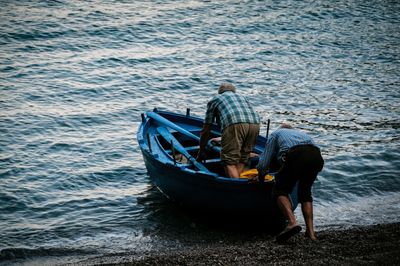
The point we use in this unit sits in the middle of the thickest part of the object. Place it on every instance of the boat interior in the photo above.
(191, 146)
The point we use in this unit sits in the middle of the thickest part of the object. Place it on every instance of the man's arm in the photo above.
(266, 157)
(204, 136)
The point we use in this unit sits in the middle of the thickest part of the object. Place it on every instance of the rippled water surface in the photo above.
(76, 75)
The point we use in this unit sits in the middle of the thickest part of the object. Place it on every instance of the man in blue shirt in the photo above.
(300, 161)
(240, 126)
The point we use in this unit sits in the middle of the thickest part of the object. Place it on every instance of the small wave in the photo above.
(64, 146)
(37, 35)
(8, 69)
(25, 253)
(357, 210)
(10, 203)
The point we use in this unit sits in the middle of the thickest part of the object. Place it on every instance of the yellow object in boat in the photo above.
(254, 173)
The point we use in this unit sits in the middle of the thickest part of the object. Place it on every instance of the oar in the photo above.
(261, 179)
(176, 144)
(174, 126)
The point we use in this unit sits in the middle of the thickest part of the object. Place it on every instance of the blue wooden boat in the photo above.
(169, 143)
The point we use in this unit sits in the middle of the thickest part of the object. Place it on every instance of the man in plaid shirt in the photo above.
(240, 126)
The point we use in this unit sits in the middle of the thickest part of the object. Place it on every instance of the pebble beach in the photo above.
(360, 245)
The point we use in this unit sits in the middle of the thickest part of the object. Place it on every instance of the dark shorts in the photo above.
(237, 141)
(302, 164)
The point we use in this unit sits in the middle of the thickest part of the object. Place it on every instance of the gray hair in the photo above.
(226, 87)
(286, 125)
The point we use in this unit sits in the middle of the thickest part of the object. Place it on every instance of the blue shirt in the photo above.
(230, 108)
(279, 143)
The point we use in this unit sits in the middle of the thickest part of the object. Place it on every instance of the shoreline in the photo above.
(359, 245)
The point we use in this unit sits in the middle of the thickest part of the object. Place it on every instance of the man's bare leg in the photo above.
(307, 209)
(286, 208)
(231, 170)
(240, 168)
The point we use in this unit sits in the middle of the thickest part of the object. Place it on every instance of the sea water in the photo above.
(75, 76)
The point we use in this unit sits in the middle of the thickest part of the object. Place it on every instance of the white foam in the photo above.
(354, 212)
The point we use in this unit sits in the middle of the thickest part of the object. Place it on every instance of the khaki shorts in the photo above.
(237, 141)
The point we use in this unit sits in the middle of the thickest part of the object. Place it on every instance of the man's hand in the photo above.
(216, 141)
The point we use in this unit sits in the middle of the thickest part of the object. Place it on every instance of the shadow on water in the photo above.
(172, 222)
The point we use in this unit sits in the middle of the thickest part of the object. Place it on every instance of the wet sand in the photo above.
(367, 245)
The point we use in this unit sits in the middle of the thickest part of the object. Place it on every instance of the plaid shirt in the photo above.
(279, 143)
(230, 108)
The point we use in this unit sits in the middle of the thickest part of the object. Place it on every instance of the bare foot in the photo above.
(310, 236)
